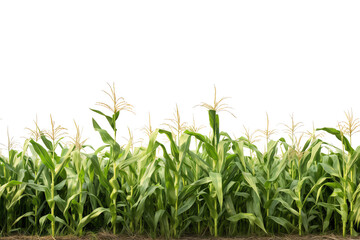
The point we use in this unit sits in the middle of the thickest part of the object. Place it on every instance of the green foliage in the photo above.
(222, 187)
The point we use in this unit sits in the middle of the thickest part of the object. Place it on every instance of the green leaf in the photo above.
(355, 156)
(111, 120)
(200, 162)
(251, 180)
(283, 222)
(169, 186)
(287, 206)
(210, 149)
(48, 144)
(43, 154)
(314, 152)
(229, 205)
(95, 213)
(64, 161)
(158, 215)
(186, 205)
(249, 216)
(330, 170)
(12, 183)
(216, 180)
(28, 214)
(214, 124)
(173, 147)
(106, 138)
(184, 147)
(103, 180)
(339, 136)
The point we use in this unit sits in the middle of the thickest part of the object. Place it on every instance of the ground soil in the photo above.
(108, 236)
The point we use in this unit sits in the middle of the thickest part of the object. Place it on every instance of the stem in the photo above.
(300, 216)
(53, 203)
(176, 204)
(197, 178)
(8, 222)
(267, 209)
(215, 221)
(176, 218)
(114, 212)
(351, 222)
(36, 208)
(352, 179)
(113, 219)
(81, 208)
(53, 193)
(198, 208)
(300, 221)
(344, 220)
(36, 217)
(132, 219)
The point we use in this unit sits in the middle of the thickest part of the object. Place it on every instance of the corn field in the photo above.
(189, 184)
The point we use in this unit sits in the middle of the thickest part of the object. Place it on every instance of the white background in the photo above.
(279, 57)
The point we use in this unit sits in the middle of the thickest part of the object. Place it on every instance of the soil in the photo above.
(108, 236)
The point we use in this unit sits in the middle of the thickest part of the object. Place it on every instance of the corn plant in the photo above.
(189, 183)
(116, 106)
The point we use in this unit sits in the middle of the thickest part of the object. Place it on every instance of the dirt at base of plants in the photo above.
(109, 236)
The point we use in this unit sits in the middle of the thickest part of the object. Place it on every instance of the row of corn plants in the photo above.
(189, 184)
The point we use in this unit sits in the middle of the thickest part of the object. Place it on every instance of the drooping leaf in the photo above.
(43, 154)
